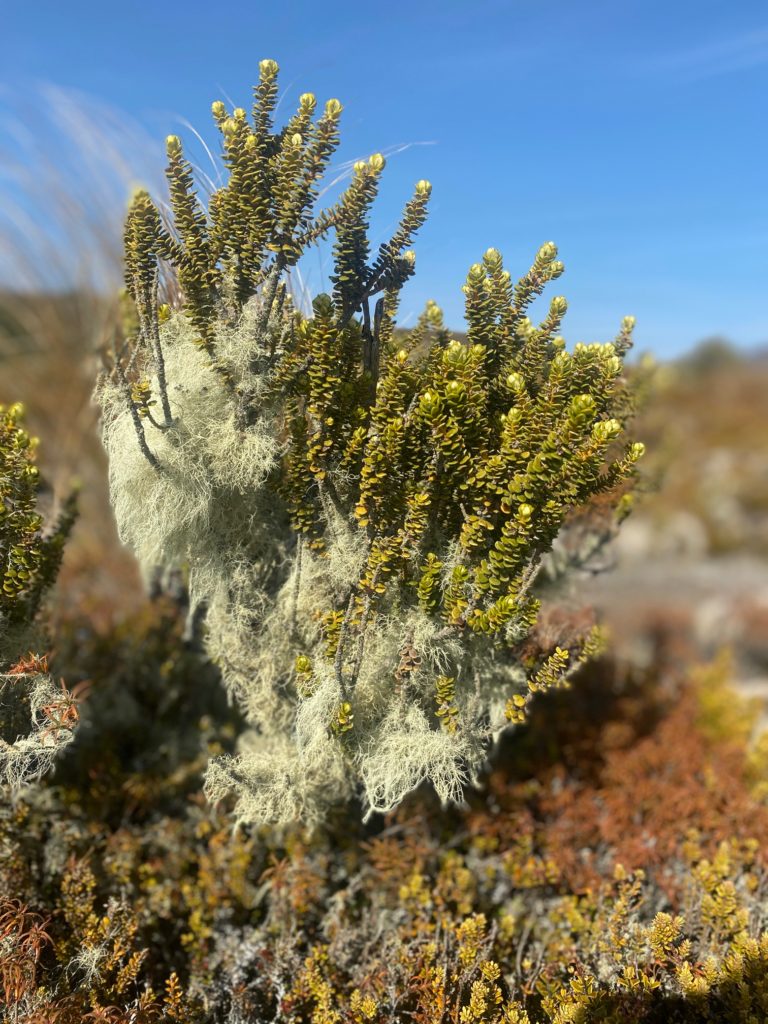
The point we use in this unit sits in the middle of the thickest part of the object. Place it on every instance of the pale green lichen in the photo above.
(38, 718)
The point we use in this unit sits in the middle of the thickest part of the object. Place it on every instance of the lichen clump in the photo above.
(362, 511)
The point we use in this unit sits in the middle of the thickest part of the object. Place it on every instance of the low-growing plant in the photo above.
(362, 511)
(137, 903)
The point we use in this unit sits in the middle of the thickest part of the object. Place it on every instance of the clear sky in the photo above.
(632, 132)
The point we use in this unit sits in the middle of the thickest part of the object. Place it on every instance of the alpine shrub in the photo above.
(362, 511)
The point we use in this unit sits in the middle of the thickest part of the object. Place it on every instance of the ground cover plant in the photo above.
(557, 893)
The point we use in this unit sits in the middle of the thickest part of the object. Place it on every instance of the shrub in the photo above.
(36, 716)
(362, 512)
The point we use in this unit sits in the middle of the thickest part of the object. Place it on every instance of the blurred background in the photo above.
(631, 134)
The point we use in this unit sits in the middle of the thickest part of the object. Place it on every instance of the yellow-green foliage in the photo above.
(29, 561)
(375, 505)
(36, 716)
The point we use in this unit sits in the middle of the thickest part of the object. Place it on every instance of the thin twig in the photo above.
(138, 425)
(158, 426)
(296, 585)
(339, 661)
(361, 638)
(268, 294)
(159, 356)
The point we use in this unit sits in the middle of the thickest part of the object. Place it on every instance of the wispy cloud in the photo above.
(712, 58)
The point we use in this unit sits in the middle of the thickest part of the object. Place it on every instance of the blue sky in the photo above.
(631, 133)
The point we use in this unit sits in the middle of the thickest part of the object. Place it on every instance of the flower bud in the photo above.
(333, 108)
(307, 101)
(218, 110)
(429, 402)
(268, 68)
(613, 365)
(606, 430)
(455, 354)
(423, 187)
(560, 361)
(377, 162)
(139, 197)
(434, 313)
(583, 405)
(173, 147)
(546, 253)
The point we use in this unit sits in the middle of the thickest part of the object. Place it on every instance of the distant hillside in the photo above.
(706, 431)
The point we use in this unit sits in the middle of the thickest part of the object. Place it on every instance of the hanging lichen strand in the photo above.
(362, 512)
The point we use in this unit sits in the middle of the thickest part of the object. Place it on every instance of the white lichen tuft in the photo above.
(275, 784)
(38, 720)
(404, 751)
(210, 467)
